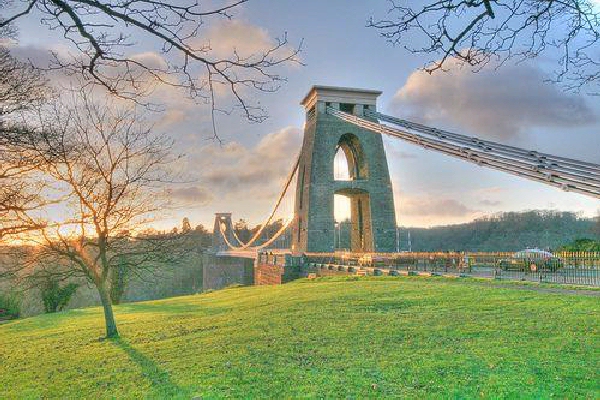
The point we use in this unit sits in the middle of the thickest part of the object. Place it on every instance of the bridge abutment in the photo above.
(221, 271)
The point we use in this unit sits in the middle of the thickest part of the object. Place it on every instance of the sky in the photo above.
(244, 174)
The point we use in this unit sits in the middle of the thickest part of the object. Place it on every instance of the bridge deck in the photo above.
(250, 253)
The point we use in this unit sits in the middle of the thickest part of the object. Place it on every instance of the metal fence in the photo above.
(580, 268)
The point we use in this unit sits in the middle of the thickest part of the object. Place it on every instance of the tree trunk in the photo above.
(109, 317)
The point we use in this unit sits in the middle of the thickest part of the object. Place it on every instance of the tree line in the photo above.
(509, 231)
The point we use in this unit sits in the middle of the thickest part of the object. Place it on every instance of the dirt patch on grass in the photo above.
(579, 292)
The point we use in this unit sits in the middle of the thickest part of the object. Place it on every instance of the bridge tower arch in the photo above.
(368, 185)
(223, 232)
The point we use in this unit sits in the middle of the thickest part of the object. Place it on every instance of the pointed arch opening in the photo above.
(349, 160)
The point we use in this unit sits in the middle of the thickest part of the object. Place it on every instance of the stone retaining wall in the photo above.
(220, 272)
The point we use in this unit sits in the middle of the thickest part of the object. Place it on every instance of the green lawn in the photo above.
(371, 337)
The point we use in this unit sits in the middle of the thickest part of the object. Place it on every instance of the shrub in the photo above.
(582, 245)
(56, 298)
(10, 305)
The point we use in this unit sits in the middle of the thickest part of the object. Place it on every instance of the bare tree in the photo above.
(477, 32)
(107, 171)
(21, 88)
(21, 85)
(102, 30)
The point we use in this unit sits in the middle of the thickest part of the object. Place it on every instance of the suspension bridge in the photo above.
(346, 119)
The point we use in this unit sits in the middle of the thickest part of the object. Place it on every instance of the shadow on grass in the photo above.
(162, 385)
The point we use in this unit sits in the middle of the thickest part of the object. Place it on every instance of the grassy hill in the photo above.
(371, 337)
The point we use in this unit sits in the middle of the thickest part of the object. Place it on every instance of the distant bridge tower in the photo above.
(369, 187)
(219, 243)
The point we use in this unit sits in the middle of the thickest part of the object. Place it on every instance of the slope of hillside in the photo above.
(371, 337)
(510, 231)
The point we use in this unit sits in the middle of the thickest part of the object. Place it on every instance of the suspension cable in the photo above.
(585, 180)
(236, 237)
(281, 230)
(270, 218)
(470, 140)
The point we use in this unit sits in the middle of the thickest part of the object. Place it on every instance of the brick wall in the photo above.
(265, 274)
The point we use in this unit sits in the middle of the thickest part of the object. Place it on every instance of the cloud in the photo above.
(151, 59)
(234, 170)
(499, 103)
(181, 109)
(426, 210)
(432, 207)
(400, 154)
(244, 43)
(191, 194)
(230, 150)
(246, 39)
(172, 116)
(39, 56)
(490, 190)
(487, 202)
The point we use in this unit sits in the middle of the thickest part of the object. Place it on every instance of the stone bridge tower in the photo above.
(219, 243)
(368, 185)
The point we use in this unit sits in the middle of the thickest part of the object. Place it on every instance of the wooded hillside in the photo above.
(511, 231)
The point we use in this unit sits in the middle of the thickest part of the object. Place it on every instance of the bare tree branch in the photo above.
(479, 32)
(101, 31)
(21, 88)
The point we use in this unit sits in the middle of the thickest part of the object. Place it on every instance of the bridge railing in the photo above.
(581, 268)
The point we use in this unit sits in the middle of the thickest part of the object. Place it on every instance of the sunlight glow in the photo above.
(341, 171)
(341, 207)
